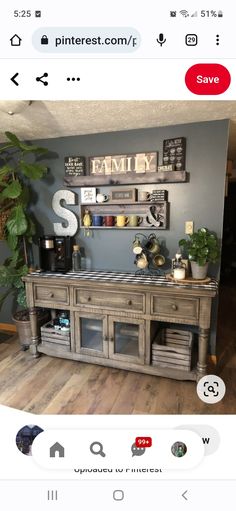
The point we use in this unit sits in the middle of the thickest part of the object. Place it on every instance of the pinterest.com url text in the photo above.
(86, 40)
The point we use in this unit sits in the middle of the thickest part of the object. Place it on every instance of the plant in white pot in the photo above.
(202, 248)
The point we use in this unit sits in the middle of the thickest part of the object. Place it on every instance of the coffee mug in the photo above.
(158, 260)
(121, 221)
(141, 261)
(152, 246)
(108, 220)
(102, 198)
(143, 195)
(97, 220)
(135, 220)
(137, 247)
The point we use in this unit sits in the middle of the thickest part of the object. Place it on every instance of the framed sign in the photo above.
(88, 195)
(174, 152)
(138, 163)
(166, 168)
(124, 195)
(75, 165)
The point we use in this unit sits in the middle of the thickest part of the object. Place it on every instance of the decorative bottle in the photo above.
(76, 258)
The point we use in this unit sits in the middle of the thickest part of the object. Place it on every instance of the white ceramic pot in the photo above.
(199, 272)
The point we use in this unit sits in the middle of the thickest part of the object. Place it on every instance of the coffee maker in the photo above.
(55, 253)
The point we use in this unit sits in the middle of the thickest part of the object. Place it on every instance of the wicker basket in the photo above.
(3, 219)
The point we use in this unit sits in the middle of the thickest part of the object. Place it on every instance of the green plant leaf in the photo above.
(21, 297)
(201, 261)
(5, 148)
(12, 241)
(32, 170)
(24, 196)
(12, 191)
(13, 139)
(14, 259)
(17, 223)
(6, 169)
(16, 142)
(183, 243)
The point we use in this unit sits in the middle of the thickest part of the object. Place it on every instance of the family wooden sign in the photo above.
(138, 163)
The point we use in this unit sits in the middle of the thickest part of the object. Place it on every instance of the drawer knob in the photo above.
(89, 298)
(129, 302)
(174, 307)
(51, 295)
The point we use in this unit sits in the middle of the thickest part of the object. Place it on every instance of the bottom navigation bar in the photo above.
(119, 495)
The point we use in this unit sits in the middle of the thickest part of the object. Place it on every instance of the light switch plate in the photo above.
(189, 227)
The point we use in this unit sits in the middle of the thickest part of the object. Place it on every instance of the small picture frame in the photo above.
(88, 195)
(124, 195)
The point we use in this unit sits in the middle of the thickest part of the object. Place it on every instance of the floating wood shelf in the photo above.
(176, 176)
(146, 210)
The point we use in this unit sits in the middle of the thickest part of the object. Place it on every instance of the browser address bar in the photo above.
(86, 39)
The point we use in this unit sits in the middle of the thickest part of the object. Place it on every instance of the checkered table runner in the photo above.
(120, 277)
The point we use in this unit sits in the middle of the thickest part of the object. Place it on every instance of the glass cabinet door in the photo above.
(91, 334)
(126, 339)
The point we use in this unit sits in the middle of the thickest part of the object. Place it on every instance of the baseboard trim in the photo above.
(8, 327)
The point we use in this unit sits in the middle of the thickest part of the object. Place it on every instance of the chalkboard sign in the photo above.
(75, 165)
(174, 152)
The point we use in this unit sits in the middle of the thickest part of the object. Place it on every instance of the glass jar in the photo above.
(76, 258)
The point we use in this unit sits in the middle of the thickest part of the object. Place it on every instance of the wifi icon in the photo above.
(184, 13)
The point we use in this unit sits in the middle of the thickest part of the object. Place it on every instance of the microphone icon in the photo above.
(161, 39)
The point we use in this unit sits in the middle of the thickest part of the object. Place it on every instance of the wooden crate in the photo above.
(52, 338)
(173, 348)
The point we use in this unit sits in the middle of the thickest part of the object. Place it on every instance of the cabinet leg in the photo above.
(202, 352)
(34, 332)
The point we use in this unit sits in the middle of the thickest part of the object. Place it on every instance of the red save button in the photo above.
(207, 79)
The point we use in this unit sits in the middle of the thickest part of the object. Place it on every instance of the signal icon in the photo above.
(194, 15)
(184, 13)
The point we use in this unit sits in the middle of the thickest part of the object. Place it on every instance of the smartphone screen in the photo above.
(117, 255)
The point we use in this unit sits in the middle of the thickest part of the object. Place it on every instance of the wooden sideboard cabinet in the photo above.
(115, 317)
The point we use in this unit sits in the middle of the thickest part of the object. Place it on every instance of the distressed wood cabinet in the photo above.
(115, 317)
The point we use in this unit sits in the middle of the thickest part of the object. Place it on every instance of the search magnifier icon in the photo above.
(211, 389)
(97, 448)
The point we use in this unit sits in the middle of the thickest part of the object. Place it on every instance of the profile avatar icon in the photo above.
(179, 449)
(25, 438)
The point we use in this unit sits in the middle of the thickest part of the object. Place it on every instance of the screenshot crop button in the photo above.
(207, 79)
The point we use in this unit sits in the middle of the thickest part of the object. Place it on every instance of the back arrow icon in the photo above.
(13, 79)
(184, 494)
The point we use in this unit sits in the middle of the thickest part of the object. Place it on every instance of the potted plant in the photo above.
(202, 248)
(18, 166)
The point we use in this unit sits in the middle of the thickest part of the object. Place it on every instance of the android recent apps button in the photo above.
(207, 79)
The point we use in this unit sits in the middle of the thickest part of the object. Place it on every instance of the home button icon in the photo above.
(15, 40)
(57, 451)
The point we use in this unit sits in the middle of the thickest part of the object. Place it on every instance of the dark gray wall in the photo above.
(200, 200)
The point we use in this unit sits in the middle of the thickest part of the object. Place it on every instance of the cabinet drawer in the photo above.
(109, 299)
(175, 307)
(51, 294)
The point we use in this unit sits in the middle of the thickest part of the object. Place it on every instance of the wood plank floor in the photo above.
(55, 386)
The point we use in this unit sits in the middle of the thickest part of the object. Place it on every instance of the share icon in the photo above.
(40, 79)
